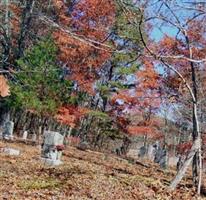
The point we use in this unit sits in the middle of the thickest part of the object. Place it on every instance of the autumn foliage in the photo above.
(82, 38)
(4, 88)
(142, 101)
(70, 115)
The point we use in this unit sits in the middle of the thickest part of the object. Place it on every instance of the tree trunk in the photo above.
(25, 24)
(195, 152)
(185, 165)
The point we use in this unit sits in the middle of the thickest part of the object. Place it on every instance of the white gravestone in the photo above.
(25, 134)
(11, 151)
(151, 151)
(34, 137)
(52, 147)
(8, 130)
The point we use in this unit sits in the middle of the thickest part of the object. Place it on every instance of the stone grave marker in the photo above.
(142, 152)
(83, 146)
(8, 130)
(10, 151)
(1, 132)
(25, 135)
(34, 137)
(161, 157)
(151, 150)
(52, 147)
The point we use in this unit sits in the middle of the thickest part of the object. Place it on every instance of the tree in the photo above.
(181, 52)
(40, 84)
(142, 102)
(81, 35)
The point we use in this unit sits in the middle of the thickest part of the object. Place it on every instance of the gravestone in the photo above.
(151, 152)
(34, 137)
(1, 133)
(52, 147)
(11, 151)
(163, 160)
(8, 130)
(83, 146)
(161, 157)
(25, 134)
(142, 152)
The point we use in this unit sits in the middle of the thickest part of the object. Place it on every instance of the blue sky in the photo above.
(157, 34)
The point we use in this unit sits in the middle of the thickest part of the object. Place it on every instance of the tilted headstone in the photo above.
(142, 151)
(25, 135)
(8, 130)
(52, 147)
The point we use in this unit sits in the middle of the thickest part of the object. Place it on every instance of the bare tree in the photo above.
(166, 14)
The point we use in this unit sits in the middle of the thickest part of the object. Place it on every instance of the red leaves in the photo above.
(60, 147)
(148, 77)
(125, 97)
(83, 48)
(70, 115)
(141, 127)
(150, 132)
(184, 148)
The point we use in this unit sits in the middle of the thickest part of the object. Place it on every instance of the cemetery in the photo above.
(102, 100)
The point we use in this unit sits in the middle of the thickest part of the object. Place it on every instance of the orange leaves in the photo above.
(169, 44)
(124, 97)
(148, 77)
(70, 115)
(184, 148)
(59, 4)
(140, 126)
(97, 16)
(148, 85)
(4, 88)
(88, 20)
(144, 130)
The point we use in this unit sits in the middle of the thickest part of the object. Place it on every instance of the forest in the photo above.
(105, 79)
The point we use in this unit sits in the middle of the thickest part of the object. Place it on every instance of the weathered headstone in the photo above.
(8, 130)
(52, 147)
(10, 151)
(83, 146)
(163, 160)
(1, 132)
(34, 137)
(151, 152)
(25, 134)
(119, 151)
(142, 151)
(161, 157)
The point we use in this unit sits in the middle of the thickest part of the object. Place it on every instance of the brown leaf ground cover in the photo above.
(85, 175)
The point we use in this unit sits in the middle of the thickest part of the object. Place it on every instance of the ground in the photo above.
(85, 175)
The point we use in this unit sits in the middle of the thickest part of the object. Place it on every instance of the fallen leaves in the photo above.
(84, 175)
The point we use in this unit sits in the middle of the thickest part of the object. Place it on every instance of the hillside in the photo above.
(84, 175)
